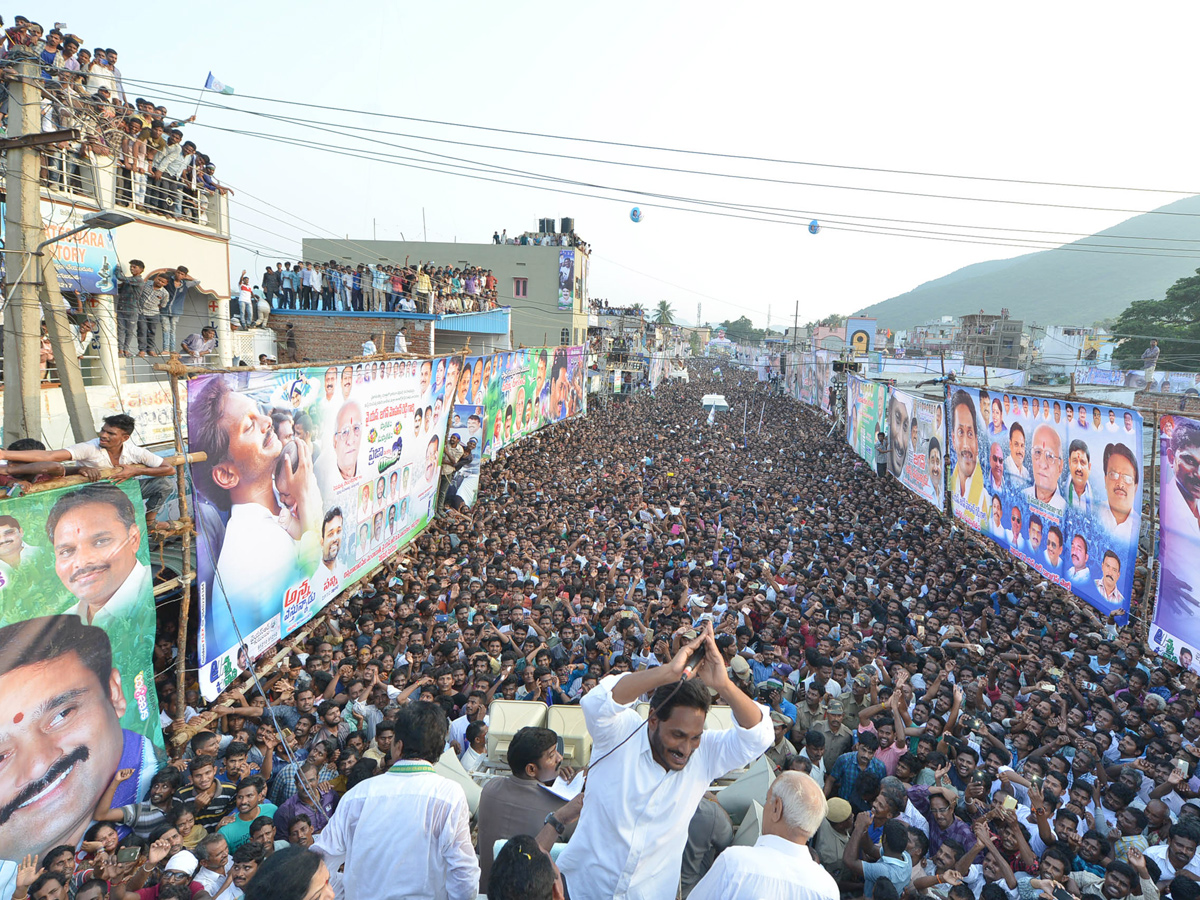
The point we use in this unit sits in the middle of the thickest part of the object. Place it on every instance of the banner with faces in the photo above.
(1057, 482)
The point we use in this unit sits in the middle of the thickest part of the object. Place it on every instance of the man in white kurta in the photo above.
(405, 833)
(629, 842)
(779, 866)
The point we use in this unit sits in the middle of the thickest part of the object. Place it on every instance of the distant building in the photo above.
(994, 340)
(933, 337)
(543, 281)
(1068, 346)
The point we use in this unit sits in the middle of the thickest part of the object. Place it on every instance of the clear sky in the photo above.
(1094, 94)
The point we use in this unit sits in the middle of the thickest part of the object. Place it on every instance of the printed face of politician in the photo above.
(966, 442)
(94, 552)
(11, 539)
(331, 540)
(254, 447)
(1120, 480)
(1110, 571)
(347, 438)
(60, 744)
(330, 382)
(1053, 547)
(426, 368)
(996, 463)
(1081, 470)
(898, 423)
(431, 452)
(1079, 552)
(347, 381)
(1187, 471)
(1047, 461)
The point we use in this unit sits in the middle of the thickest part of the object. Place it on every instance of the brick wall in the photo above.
(322, 338)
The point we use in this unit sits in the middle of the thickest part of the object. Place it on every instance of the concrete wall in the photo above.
(536, 319)
(321, 337)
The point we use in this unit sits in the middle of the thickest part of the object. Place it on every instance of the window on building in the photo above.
(520, 287)
(565, 337)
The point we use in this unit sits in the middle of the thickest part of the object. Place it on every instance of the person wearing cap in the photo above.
(838, 738)
(179, 869)
(829, 843)
(782, 747)
(780, 865)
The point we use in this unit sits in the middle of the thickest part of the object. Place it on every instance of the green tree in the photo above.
(1174, 321)
(664, 315)
(637, 307)
(694, 341)
(742, 331)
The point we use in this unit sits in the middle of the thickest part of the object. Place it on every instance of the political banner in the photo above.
(1056, 482)
(1156, 382)
(917, 437)
(521, 391)
(313, 477)
(866, 415)
(566, 279)
(467, 422)
(77, 695)
(657, 368)
(1175, 628)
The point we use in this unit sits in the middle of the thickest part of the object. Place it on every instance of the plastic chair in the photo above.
(505, 719)
(568, 723)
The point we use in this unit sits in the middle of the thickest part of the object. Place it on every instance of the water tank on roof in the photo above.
(568, 225)
(546, 226)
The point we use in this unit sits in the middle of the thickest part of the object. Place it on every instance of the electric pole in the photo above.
(23, 230)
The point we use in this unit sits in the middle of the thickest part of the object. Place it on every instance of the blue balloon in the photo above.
(814, 226)
(636, 214)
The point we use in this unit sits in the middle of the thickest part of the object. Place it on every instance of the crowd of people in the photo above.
(157, 169)
(335, 287)
(943, 723)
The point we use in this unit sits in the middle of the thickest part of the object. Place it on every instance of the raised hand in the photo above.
(27, 871)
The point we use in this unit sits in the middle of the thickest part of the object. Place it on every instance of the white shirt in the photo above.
(131, 455)
(1055, 503)
(401, 345)
(429, 858)
(1158, 853)
(773, 869)
(136, 587)
(471, 761)
(629, 842)
(258, 562)
(458, 730)
(368, 347)
(1126, 532)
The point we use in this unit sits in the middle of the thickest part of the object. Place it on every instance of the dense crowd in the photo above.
(334, 287)
(978, 733)
(157, 170)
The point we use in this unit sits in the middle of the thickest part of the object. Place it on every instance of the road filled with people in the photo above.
(940, 721)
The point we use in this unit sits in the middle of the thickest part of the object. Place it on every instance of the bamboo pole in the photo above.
(185, 576)
(72, 480)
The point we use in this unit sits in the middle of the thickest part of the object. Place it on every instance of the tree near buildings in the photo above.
(1174, 321)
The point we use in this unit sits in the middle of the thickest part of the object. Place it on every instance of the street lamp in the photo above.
(107, 219)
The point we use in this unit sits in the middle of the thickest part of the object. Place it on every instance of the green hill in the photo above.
(1060, 287)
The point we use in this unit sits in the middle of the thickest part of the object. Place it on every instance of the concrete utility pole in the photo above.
(23, 232)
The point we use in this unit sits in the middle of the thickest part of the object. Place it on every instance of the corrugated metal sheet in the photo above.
(494, 321)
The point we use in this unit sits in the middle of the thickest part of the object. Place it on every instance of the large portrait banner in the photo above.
(313, 477)
(1056, 482)
(77, 694)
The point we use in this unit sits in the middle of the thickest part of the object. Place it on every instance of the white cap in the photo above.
(183, 861)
